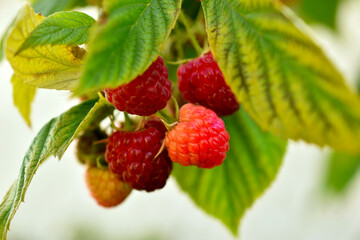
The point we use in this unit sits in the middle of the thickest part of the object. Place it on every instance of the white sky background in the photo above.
(58, 205)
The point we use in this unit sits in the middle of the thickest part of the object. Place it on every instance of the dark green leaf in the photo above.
(53, 139)
(62, 28)
(341, 170)
(128, 42)
(251, 165)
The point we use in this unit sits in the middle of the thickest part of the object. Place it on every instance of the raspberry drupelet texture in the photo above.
(201, 81)
(131, 156)
(144, 95)
(105, 187)
(156, 123)
(199, 139)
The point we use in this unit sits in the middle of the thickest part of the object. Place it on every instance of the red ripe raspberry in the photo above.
(201, 81)
(199, 139)
(105, 187)
(144, 95)
(131, 156)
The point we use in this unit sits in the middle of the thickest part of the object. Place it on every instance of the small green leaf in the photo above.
(250, 166)
(128, 42)
(281, 77)
(341, 170)
(62, 28)
(23, 96)
(53, 139)
(47, 7)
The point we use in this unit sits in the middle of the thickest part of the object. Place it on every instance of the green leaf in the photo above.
(341, 170)
(250, 166)
(23, 96)
(320, 11)
(281, 77)
(53, 139)
(129, 41)
(62, 28)
(47, 7)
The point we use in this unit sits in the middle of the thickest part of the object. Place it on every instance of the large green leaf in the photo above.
(47, 7)
(250, 166)
(281, 77)
(62, 28)
(128, 42)
(52, 139)
(341, 170)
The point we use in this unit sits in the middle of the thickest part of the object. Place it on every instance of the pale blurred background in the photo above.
(58, 205)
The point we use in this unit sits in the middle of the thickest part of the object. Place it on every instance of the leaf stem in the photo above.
(184, 20)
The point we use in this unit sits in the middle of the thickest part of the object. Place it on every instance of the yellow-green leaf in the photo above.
(55, 67)
(281, 77)
(23, 96)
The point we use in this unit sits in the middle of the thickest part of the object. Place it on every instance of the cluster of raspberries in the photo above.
(142, 159)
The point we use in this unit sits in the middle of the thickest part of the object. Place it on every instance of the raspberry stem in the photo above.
(164, 116)
(113, 125)
(167, 125)
(128, 122)
(176, 107)
(141, 124)
(184, 20)
(179, 62)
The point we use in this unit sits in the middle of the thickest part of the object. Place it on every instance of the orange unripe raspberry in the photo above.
(105, 187)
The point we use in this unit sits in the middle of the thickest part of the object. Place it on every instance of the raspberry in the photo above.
(105, 187)
(201, 81)
(144, 95)
(199, 139)
(87, 148)
(131, 155)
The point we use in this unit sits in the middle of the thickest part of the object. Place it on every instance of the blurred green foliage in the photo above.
(341, 170)
(319, 11)
(48, 7)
